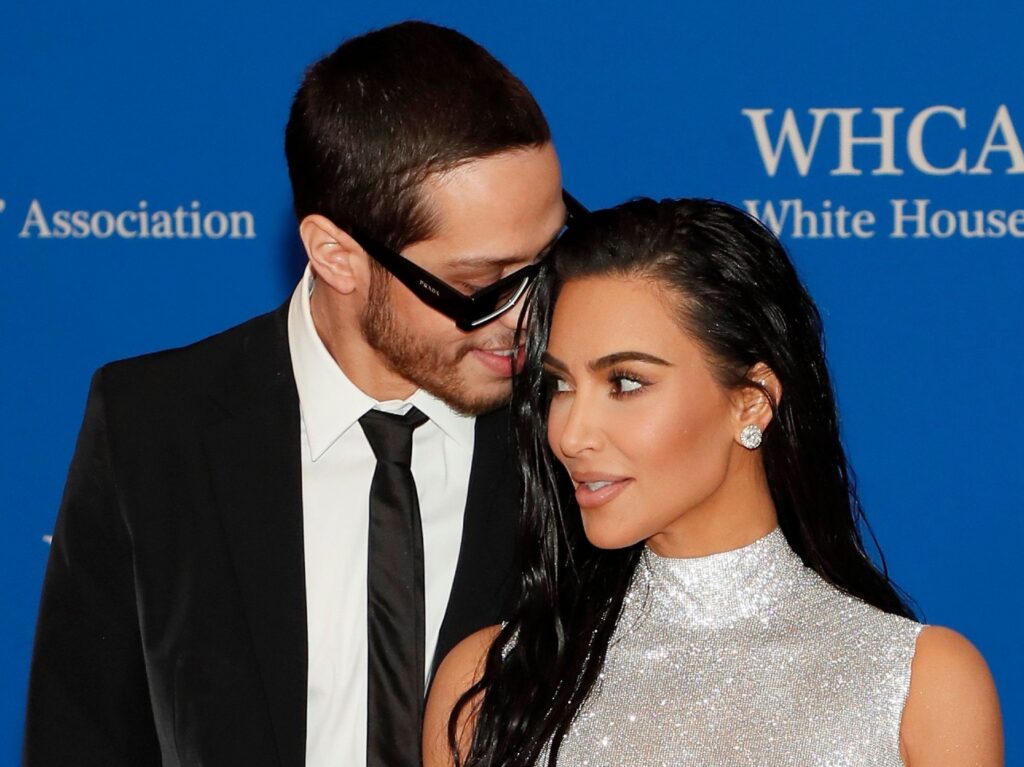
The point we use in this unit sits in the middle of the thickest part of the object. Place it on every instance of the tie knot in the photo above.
(390, 435)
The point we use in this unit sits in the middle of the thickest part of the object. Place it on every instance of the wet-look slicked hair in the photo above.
(372, 120)
(734, 290)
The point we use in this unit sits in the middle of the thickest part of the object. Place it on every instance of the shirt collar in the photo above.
(331, 404)
(456, 426)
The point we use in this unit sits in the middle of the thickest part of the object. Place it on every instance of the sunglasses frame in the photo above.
(468, 311)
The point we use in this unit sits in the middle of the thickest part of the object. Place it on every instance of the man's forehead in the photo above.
(502, 188)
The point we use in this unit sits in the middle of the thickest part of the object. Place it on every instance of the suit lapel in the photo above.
(255, 466)
(484, 575)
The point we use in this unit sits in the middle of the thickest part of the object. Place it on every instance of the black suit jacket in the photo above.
(172, 628)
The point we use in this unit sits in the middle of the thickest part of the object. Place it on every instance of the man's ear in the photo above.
(752, 404)
(335, 257)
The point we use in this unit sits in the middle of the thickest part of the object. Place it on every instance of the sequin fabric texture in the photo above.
(745, 658)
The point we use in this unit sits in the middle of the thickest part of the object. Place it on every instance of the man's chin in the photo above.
(471, 382)
(472, 393)
(480, 401)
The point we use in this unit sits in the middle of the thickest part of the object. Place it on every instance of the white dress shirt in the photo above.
(337, 466)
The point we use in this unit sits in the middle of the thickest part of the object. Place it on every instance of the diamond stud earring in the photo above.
(750, 436)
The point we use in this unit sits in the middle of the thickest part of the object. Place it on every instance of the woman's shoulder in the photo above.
(459, 671)
(847, 622)
(952, 710)
(462, 666)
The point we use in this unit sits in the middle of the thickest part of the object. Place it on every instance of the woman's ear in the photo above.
(334, 256)
(753, 403)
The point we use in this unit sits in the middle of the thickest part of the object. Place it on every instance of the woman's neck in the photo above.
(739, 512)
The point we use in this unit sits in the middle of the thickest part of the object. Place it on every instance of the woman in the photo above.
(695, 588)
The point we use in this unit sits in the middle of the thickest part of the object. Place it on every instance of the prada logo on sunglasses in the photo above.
(431, 288)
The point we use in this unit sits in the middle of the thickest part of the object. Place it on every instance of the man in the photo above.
(244, 571)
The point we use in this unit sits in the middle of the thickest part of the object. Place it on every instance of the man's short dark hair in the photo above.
(372, 120)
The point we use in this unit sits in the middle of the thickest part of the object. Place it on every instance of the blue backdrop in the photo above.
(144, 203)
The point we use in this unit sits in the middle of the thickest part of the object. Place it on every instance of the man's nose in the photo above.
(510, 319)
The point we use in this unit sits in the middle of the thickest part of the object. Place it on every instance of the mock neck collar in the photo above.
(723, 588)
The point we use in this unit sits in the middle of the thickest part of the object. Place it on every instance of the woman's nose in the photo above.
(579, 432)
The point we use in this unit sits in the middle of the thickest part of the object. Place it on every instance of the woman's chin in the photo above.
(609, 540)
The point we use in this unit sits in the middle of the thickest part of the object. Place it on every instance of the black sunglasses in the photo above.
(469, 311)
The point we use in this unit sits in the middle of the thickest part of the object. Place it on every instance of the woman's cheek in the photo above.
(643, 430)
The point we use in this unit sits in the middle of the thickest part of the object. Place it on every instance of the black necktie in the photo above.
(395, 615)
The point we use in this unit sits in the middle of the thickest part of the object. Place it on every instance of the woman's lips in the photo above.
(501, 361)
(597, 492)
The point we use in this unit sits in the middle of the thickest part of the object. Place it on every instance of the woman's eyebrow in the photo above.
(553, 362)
(607, 360)
(616, 358)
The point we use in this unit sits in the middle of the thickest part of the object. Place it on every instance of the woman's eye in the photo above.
(556, 386)
(625, 385)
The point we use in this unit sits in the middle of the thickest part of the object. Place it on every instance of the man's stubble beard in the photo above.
(427, 366)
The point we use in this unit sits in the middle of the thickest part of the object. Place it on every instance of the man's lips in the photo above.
(594, 490)
(501, 361)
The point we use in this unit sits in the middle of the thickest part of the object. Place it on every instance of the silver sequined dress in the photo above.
(745, 658)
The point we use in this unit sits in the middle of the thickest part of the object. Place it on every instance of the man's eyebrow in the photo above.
(608, 360)
(470, 262)
(474, 262)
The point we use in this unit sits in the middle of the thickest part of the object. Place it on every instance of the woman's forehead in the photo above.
(597, 316)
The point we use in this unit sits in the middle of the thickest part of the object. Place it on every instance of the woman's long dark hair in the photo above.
(741, 299)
